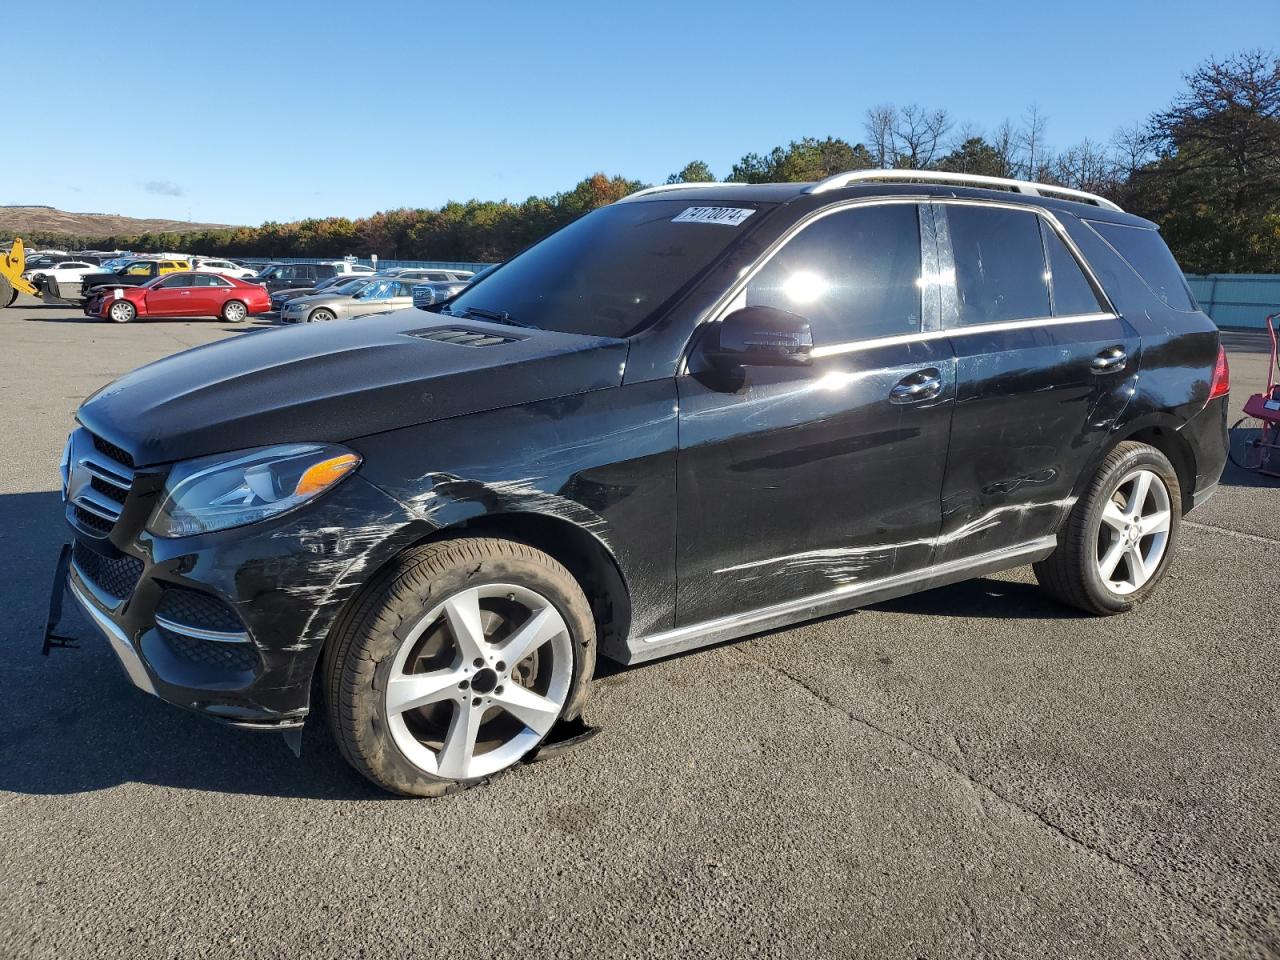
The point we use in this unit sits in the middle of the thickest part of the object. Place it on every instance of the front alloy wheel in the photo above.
(457, 664)
(479, 681)
(122, 311)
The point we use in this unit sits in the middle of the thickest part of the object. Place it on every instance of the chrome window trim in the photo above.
(944, 281)
(977, 328)
(948, 268)
(728, 300)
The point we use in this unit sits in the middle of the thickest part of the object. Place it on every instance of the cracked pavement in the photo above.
(970, 772)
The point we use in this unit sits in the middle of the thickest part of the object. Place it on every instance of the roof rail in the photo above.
(959, 179)
(663, 187)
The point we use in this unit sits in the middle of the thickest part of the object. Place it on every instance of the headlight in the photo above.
(232, 489)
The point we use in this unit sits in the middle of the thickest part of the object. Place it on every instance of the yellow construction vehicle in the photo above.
(12, 264)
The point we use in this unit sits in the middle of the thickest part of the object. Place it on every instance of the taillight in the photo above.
(1220, 385)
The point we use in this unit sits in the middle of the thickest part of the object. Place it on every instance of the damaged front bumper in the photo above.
(231, 624)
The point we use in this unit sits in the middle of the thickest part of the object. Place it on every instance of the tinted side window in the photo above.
(1146, 253)
(1072, 293)
(323, 270)
(1000, 272)
(855, 275)
(182, 280)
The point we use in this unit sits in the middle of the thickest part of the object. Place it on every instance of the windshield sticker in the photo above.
(727, 216)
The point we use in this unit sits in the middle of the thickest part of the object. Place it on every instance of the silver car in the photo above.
(380, 295)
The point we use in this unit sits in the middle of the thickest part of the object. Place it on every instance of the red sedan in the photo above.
(181, 295)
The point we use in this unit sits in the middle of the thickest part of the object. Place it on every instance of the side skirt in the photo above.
(848, 597)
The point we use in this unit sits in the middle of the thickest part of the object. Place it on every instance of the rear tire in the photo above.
(1120, 536)
(122, 311)
(233, 311)
(419, 692)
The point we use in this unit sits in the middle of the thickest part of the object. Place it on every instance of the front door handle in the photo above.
(921, 385)
(1109, 360)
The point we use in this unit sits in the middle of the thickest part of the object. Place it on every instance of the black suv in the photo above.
(299, 276)
(703, 412)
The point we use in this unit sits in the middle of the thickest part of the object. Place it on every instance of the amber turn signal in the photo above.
(325, 473)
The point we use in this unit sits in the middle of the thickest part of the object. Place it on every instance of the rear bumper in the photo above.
(1206, 434)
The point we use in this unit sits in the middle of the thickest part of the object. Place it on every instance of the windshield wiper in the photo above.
(497, 316)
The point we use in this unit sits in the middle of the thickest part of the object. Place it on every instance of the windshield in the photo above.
(350, 286)
(609, 272)
(378, 290)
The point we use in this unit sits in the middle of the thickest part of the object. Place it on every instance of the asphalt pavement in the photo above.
(970, 772)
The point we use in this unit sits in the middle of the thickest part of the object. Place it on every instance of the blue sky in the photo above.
(242, 112)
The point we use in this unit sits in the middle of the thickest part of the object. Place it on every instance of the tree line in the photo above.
(1206, 168)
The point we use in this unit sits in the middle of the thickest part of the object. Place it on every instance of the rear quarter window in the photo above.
(1145, 252)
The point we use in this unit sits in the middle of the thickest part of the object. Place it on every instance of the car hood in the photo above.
(317, 299)
(338, 381)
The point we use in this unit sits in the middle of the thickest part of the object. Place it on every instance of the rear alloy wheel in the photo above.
(320, 315)
(122, 311)
(458, 664)
(233, 311)
(1118, 540)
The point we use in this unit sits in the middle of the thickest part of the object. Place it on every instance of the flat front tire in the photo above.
(1120, 536)
(456, 663)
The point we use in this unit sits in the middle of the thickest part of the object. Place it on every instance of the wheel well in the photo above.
(582, 554)
(1172, 444)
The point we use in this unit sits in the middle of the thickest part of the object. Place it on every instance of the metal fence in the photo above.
(1237, 299)
(382, 264)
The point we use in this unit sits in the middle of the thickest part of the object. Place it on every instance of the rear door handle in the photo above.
(1109, 360)
(921, 385)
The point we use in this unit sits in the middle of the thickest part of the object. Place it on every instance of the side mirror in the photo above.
(763, 337)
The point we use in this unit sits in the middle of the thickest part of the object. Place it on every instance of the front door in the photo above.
(799, 481)
(1043, 370)
(171, 297)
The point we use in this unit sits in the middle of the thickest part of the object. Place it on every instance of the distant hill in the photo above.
(16, 221)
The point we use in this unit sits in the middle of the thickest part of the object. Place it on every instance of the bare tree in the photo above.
(1085, 166)
(1004, 140)
(1133, 148)
(918, 136)
(1031, 143)
(880, 122)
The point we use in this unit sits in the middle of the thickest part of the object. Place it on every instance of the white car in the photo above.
(69, 271)
(354, 269)
(225, 267)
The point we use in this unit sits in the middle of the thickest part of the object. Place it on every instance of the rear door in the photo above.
(208, 293)
(1044, 367)
(798, 481)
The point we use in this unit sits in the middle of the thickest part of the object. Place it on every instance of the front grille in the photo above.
(194, 609)
(101, 475)
(115, 577)
(118, 454)
(108, 489)
(211, 653)
(92, 521)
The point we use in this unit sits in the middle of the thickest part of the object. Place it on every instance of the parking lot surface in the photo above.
(970, 772)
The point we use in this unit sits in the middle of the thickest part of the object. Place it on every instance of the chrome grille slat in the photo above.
(89, 499)
(100, 478)
(117, 478)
